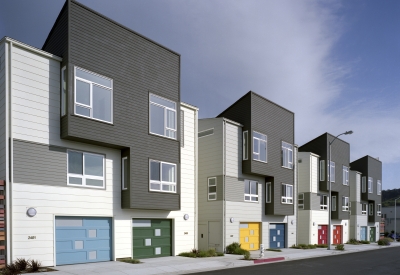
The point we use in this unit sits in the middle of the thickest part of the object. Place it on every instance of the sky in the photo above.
(335, 64)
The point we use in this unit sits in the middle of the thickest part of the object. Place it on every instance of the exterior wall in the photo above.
(390, 217)
(3, 144)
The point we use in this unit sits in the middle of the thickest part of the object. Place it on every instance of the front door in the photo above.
(363, 233)
(322, 234)
(337, 234)
(214, 236)
(277, 235)
(250, 235)
(372, 234)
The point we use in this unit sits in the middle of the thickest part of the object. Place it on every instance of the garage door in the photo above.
(250, 235)
(82, 240)
(277, 235)
(151, 238)
(322, 234)
(363, 233)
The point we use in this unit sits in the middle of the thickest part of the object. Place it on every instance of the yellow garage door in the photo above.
(250, 235)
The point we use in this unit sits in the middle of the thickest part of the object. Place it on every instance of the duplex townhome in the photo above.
(365, 198)
(97, 151)
(313, 197)
(247, 176)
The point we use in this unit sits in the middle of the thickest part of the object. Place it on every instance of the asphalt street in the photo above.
(381, 261)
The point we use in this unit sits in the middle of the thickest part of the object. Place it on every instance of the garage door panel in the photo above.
(64, 244)
(162, 241)
(95, 222)
(96, 244)
(103, 233)
(66, 233)
(250, 235)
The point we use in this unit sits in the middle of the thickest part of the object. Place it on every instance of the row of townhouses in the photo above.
(100, 159)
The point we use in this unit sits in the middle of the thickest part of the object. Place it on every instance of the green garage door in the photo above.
(151, 238)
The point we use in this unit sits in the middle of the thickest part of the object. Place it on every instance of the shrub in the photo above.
(33, 266)
(202, 254)
(10, 269)
(241, 251)
(232, 247)
(385, 241)
(321, 245)
(220, 254)
(211, 252)
(304, 246)
(273, 249)
(340, 247)
(353, 241)
(21, 264)
(188, 254)
(129, 261)
(195, 251)
(365, 242)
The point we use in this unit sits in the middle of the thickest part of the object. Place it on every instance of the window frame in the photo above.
(370, 209)
(208, 189)
(363, 184)
(91, 95)
(364, 212)
(285, 151)
(345, 175)
(268, 194)
(300, 198)
(83, 176)
(166, 108)
(182, 129)
(323, 206)
(286, 199)
(123, 183)
(161, 181)
(378, 187)
(344, 201)
(331, 175)
(370, 185)
(321, 170)
(266, 147)
(378, 210)
(63, 91)
(251, 195)
(245, 145)
(333, 203)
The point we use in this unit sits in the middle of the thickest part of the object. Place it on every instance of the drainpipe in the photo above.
(223, 186)
(196, 124)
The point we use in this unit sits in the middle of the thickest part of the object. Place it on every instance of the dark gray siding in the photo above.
(39, 164)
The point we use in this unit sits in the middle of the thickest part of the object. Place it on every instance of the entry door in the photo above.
(322, 234)
(372, 234)
(337, 234)
(277, 235)
(214, 235)
(363, 233)
(250, 235)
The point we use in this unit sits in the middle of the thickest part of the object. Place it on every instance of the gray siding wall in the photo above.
(39, 164)
(311, 201)
(3, 137)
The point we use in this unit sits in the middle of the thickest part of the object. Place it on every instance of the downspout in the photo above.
(297, 191)
(196, 177)
(223, 186)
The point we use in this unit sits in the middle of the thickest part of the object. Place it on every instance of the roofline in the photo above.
(367, 156)
(311, 153)
(55, 23)
(187, 105)
(30, 48)
(224, 119)
(326, 133)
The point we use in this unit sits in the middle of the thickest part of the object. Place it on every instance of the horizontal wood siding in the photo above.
(3, 164)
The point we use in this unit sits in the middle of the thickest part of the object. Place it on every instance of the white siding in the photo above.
(2, 112)
(233, 151)
(314, 173)
(318, 217)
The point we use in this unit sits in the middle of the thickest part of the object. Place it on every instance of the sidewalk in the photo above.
(183, 265)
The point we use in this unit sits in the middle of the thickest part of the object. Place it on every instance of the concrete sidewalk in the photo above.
(183, 265)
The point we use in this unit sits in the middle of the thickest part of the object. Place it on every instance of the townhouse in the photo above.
(313, 196)
(366, 198)
(98, 154)
(247, 176)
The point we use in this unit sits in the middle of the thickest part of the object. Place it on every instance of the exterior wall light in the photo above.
(186, 217)
(232, 220)
(31, 212)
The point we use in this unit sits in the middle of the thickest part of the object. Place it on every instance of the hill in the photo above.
(388, 197)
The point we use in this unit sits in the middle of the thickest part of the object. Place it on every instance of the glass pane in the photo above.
(212, 197)
(171, 119)
(245, 142)
(211, 181)
(92, 182)
(260, 136)
(82, 92)
(256, 148)
(246, 187)
(171, 133)
(162, 101)
(289, 191)
(168, 172)
(101, 103)
(253, 186)
(73, 180)
(254, 199)
(126, 173)
(247, 198)
(155, 171)
(75, 162)
(92, 77)
(155, 186)
(283, 190)
(290, 157)
(284, 158)
(212, 189)
(156, 120)
(167, 187)
(82, 111)
(94, 165)
(263, 151)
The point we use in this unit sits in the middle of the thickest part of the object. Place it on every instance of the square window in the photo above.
(147, 242)
(162, 176)
(78, 244)
(85, 169)
(287, 193)
(92, 233)
(259, 147)
(158, 251)
(92, 255)
(287, 155)
(157, 232)
(250, 191)
(323, 202)
(212, 188)
(162, 116)
(345, 175)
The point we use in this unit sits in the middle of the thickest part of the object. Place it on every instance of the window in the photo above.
(205, 133)
(268, 192)
(378, 210)
(245, 145)
(364, 209)
(378, 187)
(332, 171)
(259, 147)
(162, 176)
(345, 175)
(301, 201)
(182, 129)
(85, 169)
(287, 193)
(371, 209)
(287, 155)
(322, 170)
(363, 185)
(93, 95)
(250, 191)
(162, 117)
(63, 91)
(125, 173)
(345, 203)
(370, 182)
(212, 189)
(323, 202)
(333, 203)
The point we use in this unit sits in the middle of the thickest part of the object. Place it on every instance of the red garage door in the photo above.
(337, 234)
(322, 234)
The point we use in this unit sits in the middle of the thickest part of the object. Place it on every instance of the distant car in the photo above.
(394, 236)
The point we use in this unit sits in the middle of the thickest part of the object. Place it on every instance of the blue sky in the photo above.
(334, 63)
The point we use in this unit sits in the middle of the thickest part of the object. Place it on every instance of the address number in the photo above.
(31, 237)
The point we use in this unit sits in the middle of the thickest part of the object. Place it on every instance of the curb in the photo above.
(269, 260)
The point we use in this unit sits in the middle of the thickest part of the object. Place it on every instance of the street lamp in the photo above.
(395, 218)
(330, 188)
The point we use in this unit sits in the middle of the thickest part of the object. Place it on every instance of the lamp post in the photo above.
(395, 219)
(330, 188)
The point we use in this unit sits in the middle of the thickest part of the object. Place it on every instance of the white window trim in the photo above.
(363, 185)
(300, 198)
(124, 187)
(182, 129)
(364, 212)
(333, 203)
(165, 117)
(345, 175)
(245, 146)
(266, 147)
(286, 199)
(344, 206)
(370, 185)
(83, 176)
(208, 189)
(330, 174)
(91, 95)
(323, 206)
(321, 170)
(378, 210)
(63, 92)
(379, 187)
(251, 195)
(162, 182)
(268, 194)
(286, 151)
(370, 209)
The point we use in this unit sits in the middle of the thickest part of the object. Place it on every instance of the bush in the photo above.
(353, 241)
(219, 254)
(188, 254)
(211, 252)
(21, 264)
(203, 254)
(232, 247)
(304, 246)
(365, 242)
(385, 241)
(273, 249)
(129, 261)
(33, 266)
(10, 269)
(321, 245)
(340, 247)
(195, 253)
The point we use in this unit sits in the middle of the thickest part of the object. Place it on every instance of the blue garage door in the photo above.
(82, 240)
(277, 235)
(363, 233)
